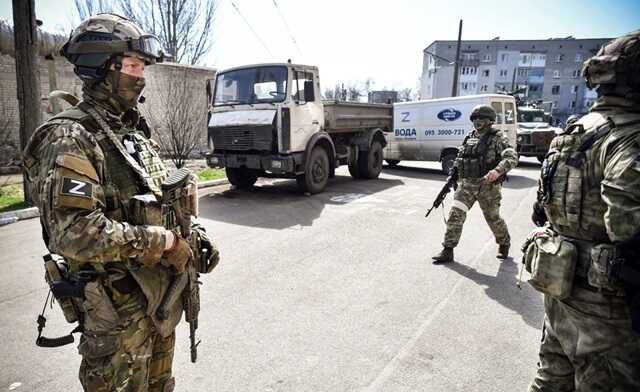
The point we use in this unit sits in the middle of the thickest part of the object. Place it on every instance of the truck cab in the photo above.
(268, 120)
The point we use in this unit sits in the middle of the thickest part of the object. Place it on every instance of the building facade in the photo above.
(547, 72)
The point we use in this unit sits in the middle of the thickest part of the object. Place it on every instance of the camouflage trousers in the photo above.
(488, 197)
(588, 345)
(140, 360)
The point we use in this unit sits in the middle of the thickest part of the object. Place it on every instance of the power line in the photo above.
(286, 25)
(252, 30)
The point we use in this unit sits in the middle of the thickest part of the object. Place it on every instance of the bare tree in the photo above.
(405, 94)
(179, 124)
(185, 27)
(354, 92)
(87, 8)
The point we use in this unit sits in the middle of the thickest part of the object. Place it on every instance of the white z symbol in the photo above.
(79, 185)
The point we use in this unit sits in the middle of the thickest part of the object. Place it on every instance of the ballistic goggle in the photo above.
(147, 45)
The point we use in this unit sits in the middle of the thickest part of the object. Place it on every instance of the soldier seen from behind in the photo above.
(586, 257)
(483, 160)
(102, 188)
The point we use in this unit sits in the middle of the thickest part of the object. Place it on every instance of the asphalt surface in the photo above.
(331, 292)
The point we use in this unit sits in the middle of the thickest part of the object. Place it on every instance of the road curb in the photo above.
(9, 217)
(18, 215)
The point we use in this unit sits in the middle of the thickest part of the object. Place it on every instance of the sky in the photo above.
(352, 40)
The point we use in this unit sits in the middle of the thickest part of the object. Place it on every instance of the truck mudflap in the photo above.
(273, 163)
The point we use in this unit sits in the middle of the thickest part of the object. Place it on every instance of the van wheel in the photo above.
(392, 162)
(241, 177)
(447, 163)
(370, 164)
(316, 172)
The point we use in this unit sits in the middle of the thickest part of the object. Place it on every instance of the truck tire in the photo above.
(392, 162)
(241, 177)
(447, 163)
(353, 170)
(316, 172)
(370, 164)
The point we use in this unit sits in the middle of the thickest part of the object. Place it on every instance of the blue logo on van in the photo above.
(449, 115)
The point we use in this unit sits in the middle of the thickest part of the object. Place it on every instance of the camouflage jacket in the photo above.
(482, 152)
(591, 178)
(81, 200)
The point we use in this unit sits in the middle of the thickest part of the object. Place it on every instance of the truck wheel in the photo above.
(241, 177)
(370, 164)
(447, 163)
(354, 171)
(392, 162)
(316, 172)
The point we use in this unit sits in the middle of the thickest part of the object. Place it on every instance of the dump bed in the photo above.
(353, 116)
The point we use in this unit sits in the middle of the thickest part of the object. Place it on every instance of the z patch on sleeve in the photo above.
(75, 187)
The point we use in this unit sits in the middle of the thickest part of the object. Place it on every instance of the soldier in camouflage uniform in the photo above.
(84, 166)
(484, 159)
(589, 197)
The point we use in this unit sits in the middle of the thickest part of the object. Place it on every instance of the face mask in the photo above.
(129, 89)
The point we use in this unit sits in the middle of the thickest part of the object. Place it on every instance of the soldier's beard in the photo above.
(118, 91)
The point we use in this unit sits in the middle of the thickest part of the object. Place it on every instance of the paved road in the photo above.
(332, 292)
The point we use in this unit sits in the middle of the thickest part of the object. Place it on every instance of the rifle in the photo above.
(179, 197)
(452, 182)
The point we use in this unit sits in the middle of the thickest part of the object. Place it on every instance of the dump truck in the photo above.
(268, 120)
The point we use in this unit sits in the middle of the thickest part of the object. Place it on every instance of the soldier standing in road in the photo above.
(92, 171)
(589, 199)
(484, 159)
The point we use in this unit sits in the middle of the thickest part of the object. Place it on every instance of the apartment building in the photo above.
(547, 71)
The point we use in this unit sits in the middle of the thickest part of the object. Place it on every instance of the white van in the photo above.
(432, 130)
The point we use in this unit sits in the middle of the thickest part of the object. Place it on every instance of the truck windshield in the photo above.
(251, 85)
(531, 116)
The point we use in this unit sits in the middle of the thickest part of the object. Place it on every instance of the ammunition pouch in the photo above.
(145, 210)
(604, 267)
(551, 260)
(94, 346)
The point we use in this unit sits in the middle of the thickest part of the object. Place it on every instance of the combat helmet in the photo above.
(483, 111)
(617, 63)
(102, 40)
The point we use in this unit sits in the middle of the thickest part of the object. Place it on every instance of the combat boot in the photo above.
(445, 256)
(503, 251)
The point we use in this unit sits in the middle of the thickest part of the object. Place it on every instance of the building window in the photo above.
(559, 57)
(533, 88)
(484, 88)
(554, 104)
(485, 73)
(573, 104)
(543, 57)
(574, 89)
(523, 72)
(576, 73)
(464, 86)
(469, 55)
(556, 74)
(555, 90)
(486, 58)
(504, 57)
(579, 57)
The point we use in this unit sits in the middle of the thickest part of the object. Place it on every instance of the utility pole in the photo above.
(25, 37)
(456, 67)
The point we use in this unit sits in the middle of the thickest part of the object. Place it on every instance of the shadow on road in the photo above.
(515, 181)
(280, 205)
(415, 172)
(502, 288)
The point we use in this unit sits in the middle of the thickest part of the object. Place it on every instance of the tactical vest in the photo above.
(571, 175)
(478, 155)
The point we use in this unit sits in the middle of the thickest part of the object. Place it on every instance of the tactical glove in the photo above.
(539, 217)
(178, 255)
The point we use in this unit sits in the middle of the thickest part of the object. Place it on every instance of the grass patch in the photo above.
(11, 197)
(211, 174)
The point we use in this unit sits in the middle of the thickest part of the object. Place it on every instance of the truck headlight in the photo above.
(519, 139)
(276, 164)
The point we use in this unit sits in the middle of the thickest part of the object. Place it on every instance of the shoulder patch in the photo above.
(75, 187)
(78, 165)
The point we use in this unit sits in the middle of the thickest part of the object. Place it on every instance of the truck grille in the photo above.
(242, 138)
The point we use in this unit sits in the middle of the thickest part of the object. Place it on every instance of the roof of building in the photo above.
(497, 39)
